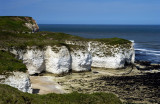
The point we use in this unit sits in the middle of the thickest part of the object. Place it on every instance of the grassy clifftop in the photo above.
(15, 23)
(42, 39)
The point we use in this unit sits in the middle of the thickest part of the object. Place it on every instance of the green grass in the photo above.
(14, 23)
(42, 39)
(113, 41)
(8, 63)
(9, 95)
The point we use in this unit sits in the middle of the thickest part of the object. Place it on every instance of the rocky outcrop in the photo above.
(31, 24)
(18, 80)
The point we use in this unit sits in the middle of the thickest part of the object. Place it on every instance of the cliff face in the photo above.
(54, 59)
(60, 59)
(57, 59)
(111, 56)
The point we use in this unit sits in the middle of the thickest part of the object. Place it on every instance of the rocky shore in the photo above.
(130, 84)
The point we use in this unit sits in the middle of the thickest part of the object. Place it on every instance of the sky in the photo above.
(85, 11)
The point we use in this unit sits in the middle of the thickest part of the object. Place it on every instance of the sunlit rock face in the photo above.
(34, 60)
(108, 56)
(81, 60)
(32, 57)
(102, 55)
(57, 59)
(33, 27)
(81, 56)
(20, 81)
(31, 24)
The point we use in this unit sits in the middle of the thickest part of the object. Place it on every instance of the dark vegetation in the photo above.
(14, 23)
(8, 63)
(9, 95)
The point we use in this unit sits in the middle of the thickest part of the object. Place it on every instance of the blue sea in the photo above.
(146, 37)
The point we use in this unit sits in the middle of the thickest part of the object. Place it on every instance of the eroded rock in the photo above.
(57, 59)
(20, 81)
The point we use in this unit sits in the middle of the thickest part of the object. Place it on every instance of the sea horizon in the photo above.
(101, 24)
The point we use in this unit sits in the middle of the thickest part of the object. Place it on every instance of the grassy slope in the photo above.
(9, 95)
(8, 63)
(13, 23)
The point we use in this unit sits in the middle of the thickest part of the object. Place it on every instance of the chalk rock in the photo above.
(34, 60)
(57, 59)
(32, 57)
(81, 60)
(108, 56)
(20, 81)
(31, 24)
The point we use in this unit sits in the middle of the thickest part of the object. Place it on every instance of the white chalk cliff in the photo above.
(57, 59)
(111, 56)
(60, 59)
(81, 60)
(33, 59)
